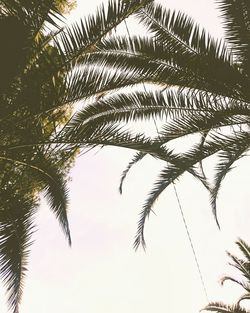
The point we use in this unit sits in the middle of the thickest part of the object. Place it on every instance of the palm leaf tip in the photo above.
(214, 209)
(139, 241)
(137, 157)
(58, 202)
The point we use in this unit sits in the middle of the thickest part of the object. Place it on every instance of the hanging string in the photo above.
(191, 243)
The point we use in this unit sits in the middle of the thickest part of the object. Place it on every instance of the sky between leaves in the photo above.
(101, 272)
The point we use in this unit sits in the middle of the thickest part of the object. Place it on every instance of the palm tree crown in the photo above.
(182, 78)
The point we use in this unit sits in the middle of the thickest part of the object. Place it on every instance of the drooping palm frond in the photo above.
(233, 148)
(137, 157)
(50, 180)
(56, 193)
(178, 164)
(166, 177)
(16, 228)
(224, 165)
(241, 283)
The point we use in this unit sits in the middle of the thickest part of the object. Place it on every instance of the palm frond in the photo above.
(224, 165)
(223, 308)
(128, 54)
(241, 265)
(233, 147)
(121, 107)
(56, 192)
(97, 81)
(137, 157)
(82, 37)
(16, 228)
(236, 21)
(244, 285)
(110, 135)
(244, 248)
(163, 66)
(197, 50)
(178, 165)
(166, 177)
(52, 182)
(180, 33)
(131, 106)
(199, 112)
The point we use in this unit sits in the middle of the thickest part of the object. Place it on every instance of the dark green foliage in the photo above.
(38, 84)
(200, 87)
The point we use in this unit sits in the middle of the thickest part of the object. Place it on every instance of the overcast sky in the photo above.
(102, 273)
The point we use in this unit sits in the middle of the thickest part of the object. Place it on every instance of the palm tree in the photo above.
(243, 266)
(189, 83)
(200, 86)
(39, 61)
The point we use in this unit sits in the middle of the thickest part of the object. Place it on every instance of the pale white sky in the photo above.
(101, 272)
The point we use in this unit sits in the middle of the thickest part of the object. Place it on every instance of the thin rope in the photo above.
(191, 243)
